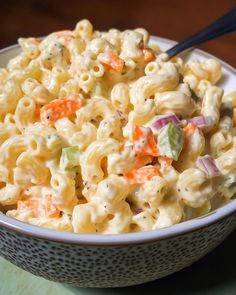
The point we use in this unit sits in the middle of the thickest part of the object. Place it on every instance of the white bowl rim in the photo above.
(127, 238)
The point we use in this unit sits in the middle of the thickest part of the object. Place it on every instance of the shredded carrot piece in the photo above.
(142, 161)
(191, 127)
(64, 36)
(28, 205)
(49, 208)
(148, 54)
(60, 108)
(144, 142)
(168, 161)
(112, 60)
(43, 207)
(143, 174)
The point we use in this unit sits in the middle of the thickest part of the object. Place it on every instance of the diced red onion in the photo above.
(138, 210)
(202, 121)
(207, 164)
(160, 121)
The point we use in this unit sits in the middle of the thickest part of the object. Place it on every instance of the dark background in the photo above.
(166, 18)
(216, 273)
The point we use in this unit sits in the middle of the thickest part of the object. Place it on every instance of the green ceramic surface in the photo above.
(215, 274)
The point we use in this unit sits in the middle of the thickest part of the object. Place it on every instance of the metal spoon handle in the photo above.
(221, 26)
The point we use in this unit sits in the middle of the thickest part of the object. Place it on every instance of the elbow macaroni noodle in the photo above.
(94, 165)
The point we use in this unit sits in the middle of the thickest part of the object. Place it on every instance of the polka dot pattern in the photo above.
(111, 266)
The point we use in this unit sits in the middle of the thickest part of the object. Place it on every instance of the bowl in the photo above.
(89, 260)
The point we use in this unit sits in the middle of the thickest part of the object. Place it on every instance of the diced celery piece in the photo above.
(170, 141)
(69, 158)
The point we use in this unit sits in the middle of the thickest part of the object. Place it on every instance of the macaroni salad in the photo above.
(101, 133)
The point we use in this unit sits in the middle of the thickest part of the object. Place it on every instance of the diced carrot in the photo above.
(168, 161)
(148, 54)
(142, 161)
(191, 127)
(143, 174)
(144, 142)
(112, 60)
(60, 108)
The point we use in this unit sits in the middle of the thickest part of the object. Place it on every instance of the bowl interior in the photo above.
(227, 83)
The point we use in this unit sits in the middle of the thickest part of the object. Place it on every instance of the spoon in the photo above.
(222, 26)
